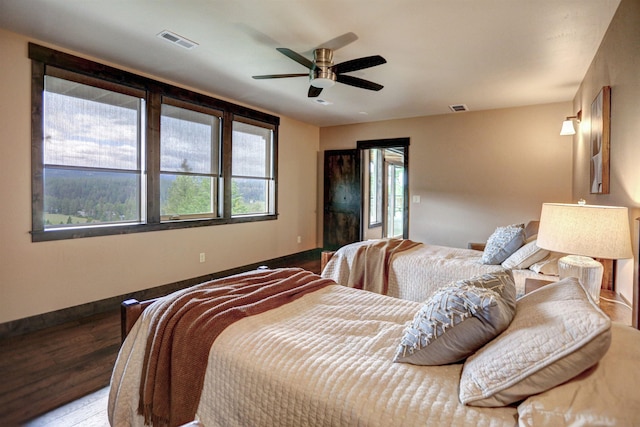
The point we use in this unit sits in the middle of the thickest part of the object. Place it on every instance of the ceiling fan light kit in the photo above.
(321, 75)
(324, 74)
(323, 82)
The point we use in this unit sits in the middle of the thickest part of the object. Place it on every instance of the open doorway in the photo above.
(394, 196)
(385, 188)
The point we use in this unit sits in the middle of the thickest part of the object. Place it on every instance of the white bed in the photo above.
(326, 359)
(416, 273)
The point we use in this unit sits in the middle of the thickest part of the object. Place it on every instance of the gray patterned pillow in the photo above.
(502, 243)
(458, 320)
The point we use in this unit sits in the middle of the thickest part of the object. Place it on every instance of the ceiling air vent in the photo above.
(457, 108)
(176, 39)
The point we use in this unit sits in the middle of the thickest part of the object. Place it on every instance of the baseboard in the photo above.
(53, 318)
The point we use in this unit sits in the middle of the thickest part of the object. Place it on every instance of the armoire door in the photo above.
(342, 198)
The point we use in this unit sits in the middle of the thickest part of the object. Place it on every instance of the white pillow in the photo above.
(557, 333)
(524, 257)
(604, 395)
(458, 319)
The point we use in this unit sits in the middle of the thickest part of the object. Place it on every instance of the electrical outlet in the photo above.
(202, 257)
(299, 239)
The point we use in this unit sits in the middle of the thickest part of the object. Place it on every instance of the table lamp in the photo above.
(584, 232)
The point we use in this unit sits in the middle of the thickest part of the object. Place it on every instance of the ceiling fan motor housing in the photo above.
(321, 75)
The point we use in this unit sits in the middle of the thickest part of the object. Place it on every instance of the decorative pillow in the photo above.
(458, 319)
(557, 333)
(524, 257)
(502, 243)
(604, 395)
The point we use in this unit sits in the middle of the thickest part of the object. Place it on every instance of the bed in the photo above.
(417, 271)
(326, 358)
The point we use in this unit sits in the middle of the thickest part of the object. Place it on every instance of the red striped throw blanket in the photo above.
(185, 325)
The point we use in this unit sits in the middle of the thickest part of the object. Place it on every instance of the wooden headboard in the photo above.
(130, 311)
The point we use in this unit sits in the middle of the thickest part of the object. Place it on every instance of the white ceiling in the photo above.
(483, 53)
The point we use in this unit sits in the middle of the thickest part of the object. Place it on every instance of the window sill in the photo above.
(112, 230)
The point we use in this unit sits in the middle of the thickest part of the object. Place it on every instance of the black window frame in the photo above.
(43, 57)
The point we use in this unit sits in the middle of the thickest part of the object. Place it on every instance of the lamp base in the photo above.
(587, 270)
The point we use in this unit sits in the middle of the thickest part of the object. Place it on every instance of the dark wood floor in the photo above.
(43, 370)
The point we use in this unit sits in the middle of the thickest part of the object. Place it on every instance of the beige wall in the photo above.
(46, 276)
(473, 171)
(616, 64)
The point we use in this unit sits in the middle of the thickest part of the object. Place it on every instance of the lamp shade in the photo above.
(588, 230)
(567, 128)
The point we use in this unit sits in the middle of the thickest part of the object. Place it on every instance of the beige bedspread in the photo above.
(325, 359)
(322, 360)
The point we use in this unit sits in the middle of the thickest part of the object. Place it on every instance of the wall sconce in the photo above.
(567, 125)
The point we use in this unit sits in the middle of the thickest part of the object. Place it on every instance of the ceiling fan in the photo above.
(323, 73)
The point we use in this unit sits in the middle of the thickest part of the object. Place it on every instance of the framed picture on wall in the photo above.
(600, 141)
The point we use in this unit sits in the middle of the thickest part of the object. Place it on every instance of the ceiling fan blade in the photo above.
(314, 91)
(359, 64)
(338, 42)
(280, 76)
(296, 57)
(358, 82)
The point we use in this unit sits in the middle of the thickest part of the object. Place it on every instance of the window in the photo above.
(189, 165)
(91, 164)
(252, 171)
(375, 187)
(114, 153)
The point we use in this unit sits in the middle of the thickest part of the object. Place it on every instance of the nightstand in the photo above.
(615, 310)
